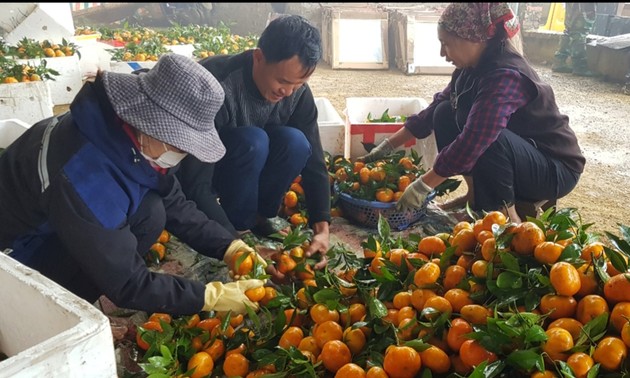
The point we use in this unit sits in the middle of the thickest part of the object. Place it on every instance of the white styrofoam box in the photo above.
(10, 130)
(415, 42)
(129, 67)
(85, 39)
(31, 102)
(13, 14)
(331, 127)
(52, 21)
(358, 130)
(343, 25)
(94, 57)
(65, 86)
(426, 48)
(185, 50)
(48, 331)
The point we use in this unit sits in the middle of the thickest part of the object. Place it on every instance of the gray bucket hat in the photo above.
(175, 103)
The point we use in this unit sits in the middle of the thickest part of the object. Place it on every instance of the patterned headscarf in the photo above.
(477, 22)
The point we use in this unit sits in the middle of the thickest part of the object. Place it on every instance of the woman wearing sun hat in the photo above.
(497, 123)
(85, 194)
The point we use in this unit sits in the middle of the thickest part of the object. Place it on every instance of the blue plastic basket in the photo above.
(366, 213)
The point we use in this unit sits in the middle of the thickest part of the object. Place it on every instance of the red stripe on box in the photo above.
(370, 130)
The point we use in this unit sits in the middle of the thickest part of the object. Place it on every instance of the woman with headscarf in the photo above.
(496, 123)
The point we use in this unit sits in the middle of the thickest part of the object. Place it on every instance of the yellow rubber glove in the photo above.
(230, 296)
(239, 245)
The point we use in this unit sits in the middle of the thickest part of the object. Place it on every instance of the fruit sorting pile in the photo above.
(145, 44)
(363, 191)
(541, 298)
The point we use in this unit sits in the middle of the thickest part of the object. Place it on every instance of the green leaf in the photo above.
(447, 186)
(326, 295)
(570, 252)
(253, 316)
(566, 370)
(621, 244)
(417, 344)
(166, 353)
(525, 359)
(384, 230)
(594, 371)
(510, 262)
(616, 259)
(534, 335)
(594, 330)
(532, 300)
(376, 308)
(494, 369)
(159, 375)
(509, 280)
(478, 372)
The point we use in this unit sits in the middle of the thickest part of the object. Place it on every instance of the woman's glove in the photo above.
(414, 196)
(239, 245)
(230, 296)
(383, 149)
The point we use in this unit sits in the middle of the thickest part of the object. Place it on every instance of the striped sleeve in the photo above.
(501, 93)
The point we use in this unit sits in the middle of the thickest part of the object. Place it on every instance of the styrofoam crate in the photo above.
(85, 39)
(70, 80)
(331, 127)
(185, 50)
(359, 131)
(31, 102)
(10, 130)
(414, 40)
(129, 67)
(48, 331)
(52, 21)
(94, 57)
(343, 24)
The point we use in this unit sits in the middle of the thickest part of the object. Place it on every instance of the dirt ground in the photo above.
(598, 112)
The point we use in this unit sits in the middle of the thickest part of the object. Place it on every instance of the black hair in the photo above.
(288, 36)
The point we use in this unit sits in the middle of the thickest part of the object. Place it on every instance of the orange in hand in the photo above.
(164, 238)
(243, 263)
(255, 294)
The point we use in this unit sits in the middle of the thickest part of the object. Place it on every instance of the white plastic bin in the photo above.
(10, 130)
(48, 331)
(331, 127)
(31, 102)
(359, 131)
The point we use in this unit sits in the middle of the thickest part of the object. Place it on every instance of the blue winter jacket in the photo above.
(75, 179)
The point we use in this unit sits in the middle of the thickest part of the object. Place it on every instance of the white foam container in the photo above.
(331, 127)
(129, 67)
(31, 102)
(95, 56)
(49, 332)
(65, 86)
(10, 130)
(358, 130)
(185, 50)
(52, 21)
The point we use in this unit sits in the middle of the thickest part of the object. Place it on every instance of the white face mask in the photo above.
(168, 159)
